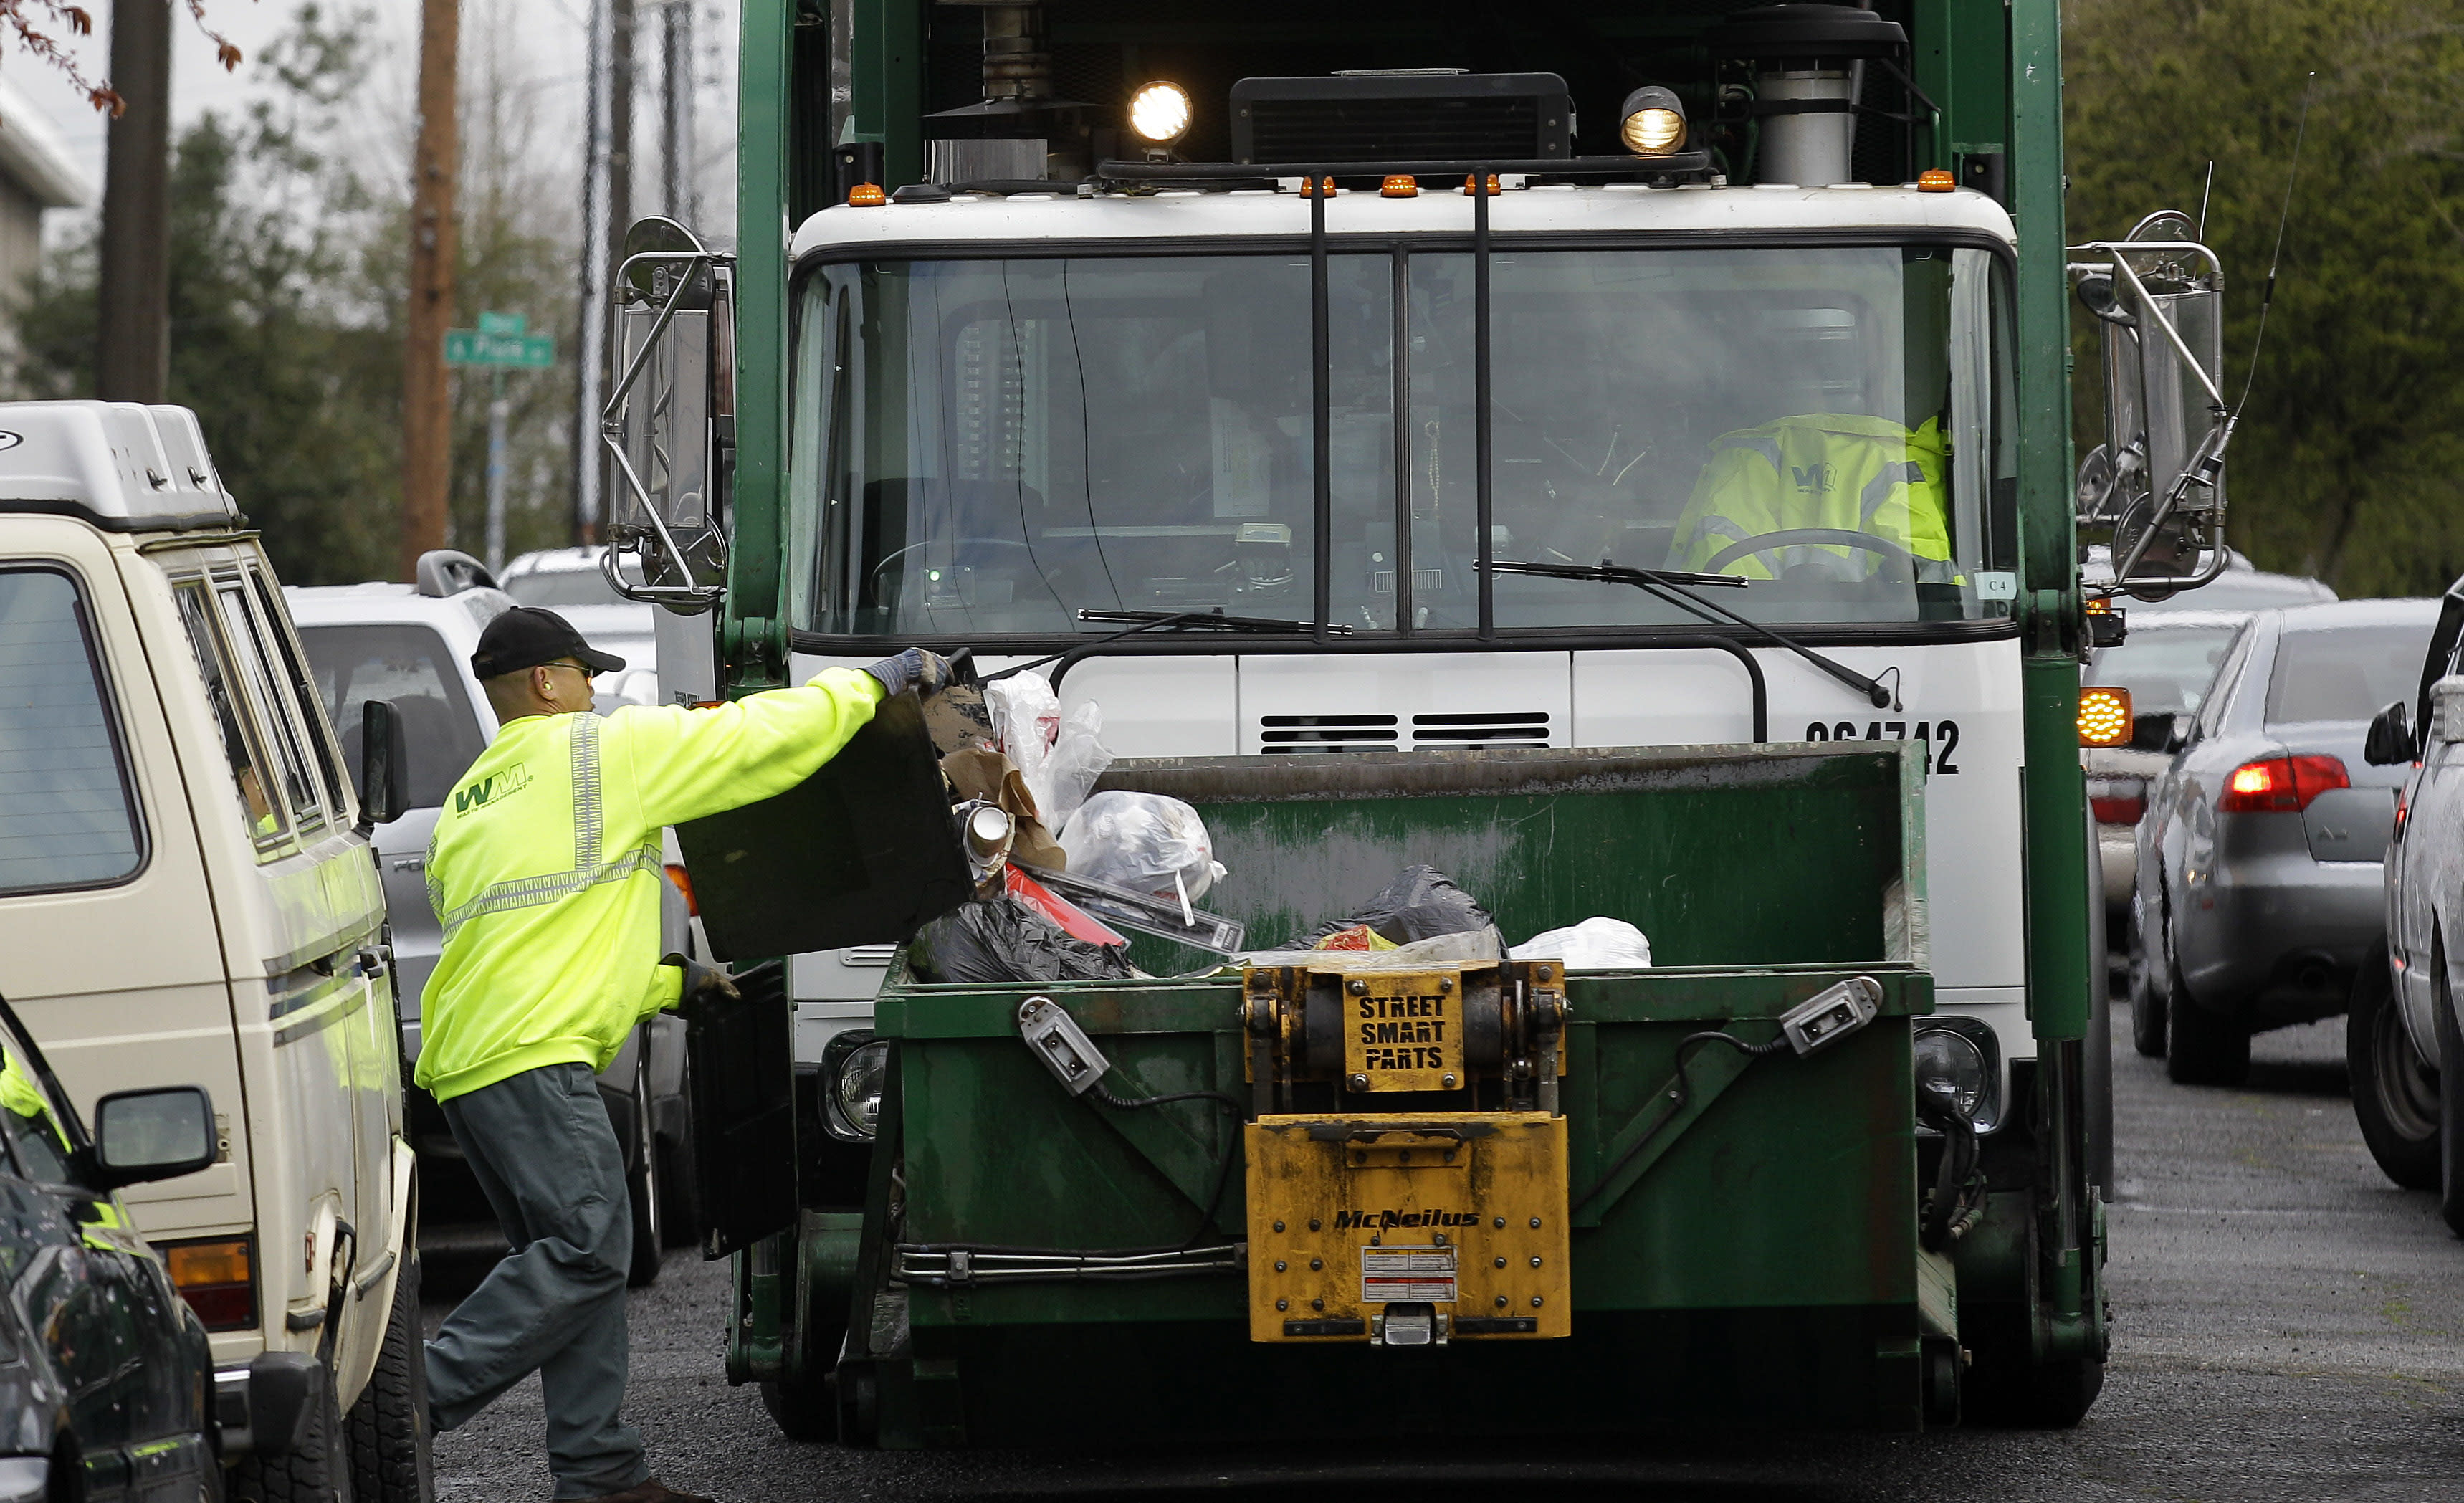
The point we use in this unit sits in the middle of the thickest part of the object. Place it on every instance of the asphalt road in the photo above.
(2287, 1328)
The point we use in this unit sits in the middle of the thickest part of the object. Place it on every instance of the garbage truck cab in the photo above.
(1317, 406)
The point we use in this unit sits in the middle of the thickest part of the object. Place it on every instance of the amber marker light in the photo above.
(214, 1277)
(1936, 180)
(2105, 716)
(866, 195)
(1318, 187)
(1400, 185)
(1471, 185)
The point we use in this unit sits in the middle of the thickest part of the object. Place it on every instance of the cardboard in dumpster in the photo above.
(864, 851)
(979, 772)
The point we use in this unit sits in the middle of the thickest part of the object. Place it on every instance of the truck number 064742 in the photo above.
(1941, 737)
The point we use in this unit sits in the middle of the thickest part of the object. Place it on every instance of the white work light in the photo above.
(1653, 123)
(856, 1073)
(1160, 113)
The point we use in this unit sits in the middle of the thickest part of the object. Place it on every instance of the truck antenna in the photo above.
(2207, 191)
(2276, 257)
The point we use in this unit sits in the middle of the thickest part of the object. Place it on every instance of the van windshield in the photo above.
(988, 446)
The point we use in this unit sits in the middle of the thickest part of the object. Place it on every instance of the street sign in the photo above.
(479, 348)
(507, 324)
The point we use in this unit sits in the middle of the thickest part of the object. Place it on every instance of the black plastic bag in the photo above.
(1420, 903)
(1002, 940)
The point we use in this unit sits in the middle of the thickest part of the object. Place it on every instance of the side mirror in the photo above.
(385, 765)
(2390, 741)
(2179, 734)
(669, 420)
(2153, 731)
(156, 1134)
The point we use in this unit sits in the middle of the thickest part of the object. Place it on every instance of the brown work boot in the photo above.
(650, 1489)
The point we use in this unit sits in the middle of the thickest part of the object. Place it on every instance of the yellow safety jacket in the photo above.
(545, 868)
(1865, 475)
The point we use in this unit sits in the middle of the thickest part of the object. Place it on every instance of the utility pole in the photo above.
(133, 353)
(620, 70)
(427, 414)
(677, 78)
(590, 318)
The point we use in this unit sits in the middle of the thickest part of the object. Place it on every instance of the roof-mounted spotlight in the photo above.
(1160, 114)
(1651, 123)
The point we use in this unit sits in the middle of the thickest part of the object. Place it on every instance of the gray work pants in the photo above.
(545, 1155)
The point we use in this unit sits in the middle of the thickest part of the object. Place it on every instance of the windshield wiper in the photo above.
(1144, 621)
(1677, 587)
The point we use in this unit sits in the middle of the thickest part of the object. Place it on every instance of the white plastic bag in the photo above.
(1059, 756)
(1596, 944)
(1143, 842)
(1079, 757)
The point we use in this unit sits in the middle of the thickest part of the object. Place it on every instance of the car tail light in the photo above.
(2117, 801)
(2281, 784)
(217, 1278)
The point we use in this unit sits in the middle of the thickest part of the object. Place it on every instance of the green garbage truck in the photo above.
(1617, 455)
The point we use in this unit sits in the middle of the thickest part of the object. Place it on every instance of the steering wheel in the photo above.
(1790, 537)
(872, 579)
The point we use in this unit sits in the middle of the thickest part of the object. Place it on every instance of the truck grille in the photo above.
(1326, 733)
(1481, 732)
(1401, 117)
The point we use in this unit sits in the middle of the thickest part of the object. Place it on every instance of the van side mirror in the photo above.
(385, 765)
(156, 1134)
(2390, 741)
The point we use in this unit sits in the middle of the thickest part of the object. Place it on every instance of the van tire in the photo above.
(2396, 1098)
(315, 1471)
(2451, 1103)
(390, 1440)
(643, 1183)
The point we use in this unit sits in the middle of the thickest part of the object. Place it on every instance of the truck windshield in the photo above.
(985, 448)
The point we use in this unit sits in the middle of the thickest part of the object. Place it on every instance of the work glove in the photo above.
(926, 673)
(702, 982)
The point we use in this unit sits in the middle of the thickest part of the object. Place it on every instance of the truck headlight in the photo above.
(1959, 1060)
(1653, 123)
(1160, 113)
(855, 1071)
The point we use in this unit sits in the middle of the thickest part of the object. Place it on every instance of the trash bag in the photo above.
(1059, 756)
(1142, 842)
(1596, 944)
(1002, 940)
(1420, 903)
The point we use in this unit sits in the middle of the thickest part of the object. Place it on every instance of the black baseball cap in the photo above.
(527, 636)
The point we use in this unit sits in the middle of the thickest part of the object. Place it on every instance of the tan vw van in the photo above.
(183, 900)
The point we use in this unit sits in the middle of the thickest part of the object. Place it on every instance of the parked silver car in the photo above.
(2260, 890)
(2400, 1036)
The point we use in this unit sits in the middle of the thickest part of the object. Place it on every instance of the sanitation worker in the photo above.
(1837, 471)
(545, 871)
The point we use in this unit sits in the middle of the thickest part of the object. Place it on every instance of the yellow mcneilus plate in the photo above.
(1462, 1211)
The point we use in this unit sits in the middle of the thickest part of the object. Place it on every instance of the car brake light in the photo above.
(2117, 801)
(683, 880)
(216, 1279)
(2281, 784)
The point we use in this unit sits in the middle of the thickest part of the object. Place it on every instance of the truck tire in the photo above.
(2201, 1048)
(803, 1411)
(2061, 1393)
(2451, 1109)
(2395, 1090)
(315, 1471)
(388, 1424)
(644, 1184)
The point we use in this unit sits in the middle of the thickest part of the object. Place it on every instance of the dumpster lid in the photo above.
(864, 851)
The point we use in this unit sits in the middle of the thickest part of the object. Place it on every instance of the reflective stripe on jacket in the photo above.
(1854, 474)
(545, 868)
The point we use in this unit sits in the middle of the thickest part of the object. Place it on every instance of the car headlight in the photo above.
(1960, 1061)
(856, 1073)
